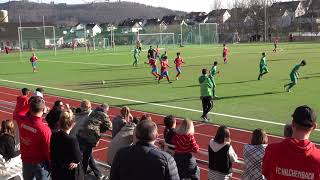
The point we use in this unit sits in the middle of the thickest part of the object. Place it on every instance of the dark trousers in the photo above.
(88, 159)
(207, 105)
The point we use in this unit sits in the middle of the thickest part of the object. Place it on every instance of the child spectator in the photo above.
(65, 162)
(185, 145)
(221, 155)
(7, 140)
(253, 154)
(169, 131)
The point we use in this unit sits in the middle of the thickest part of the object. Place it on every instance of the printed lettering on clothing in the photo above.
(294, 173)
(31, 129)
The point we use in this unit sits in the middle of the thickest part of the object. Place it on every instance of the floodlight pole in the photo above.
(181, 34)
(54, 41)
(20, 38)
(265, 20)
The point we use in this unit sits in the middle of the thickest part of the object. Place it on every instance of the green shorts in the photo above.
(293, 78)
(263, 69)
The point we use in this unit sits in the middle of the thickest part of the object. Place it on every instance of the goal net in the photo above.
(208, 33)
(37, 39)
(100, 43)
(162, 39)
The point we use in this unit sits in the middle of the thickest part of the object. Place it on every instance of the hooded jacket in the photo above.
(291, 159)
(206, 84)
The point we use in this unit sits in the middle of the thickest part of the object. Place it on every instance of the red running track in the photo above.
(204, 131)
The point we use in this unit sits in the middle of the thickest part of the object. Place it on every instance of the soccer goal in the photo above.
(100, 43)
(35, 39)
(163, 39)
(208, 33)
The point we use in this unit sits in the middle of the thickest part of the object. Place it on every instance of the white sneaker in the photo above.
(204, 119)
(177, 78)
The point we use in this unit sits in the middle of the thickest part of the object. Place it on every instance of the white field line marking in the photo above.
(154, 104)
(86, 63)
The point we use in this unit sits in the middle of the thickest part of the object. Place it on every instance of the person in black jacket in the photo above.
(53, 116)
(144, 161)
(7, 140)
(65, 152)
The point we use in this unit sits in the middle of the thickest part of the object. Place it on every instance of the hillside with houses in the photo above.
(300, 18)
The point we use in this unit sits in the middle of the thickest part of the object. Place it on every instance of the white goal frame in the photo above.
(160, 36)
(20, 37)
(204, 24)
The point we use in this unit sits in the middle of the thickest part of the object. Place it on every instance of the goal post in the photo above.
(100, 43)
(208, 33)
(162, 39)
(38, 38)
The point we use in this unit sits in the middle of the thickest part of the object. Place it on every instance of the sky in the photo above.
(183, 5)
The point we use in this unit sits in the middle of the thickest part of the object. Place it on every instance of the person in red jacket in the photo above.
(22, 102)
(34, 140)
(295, 157)
(185, 144)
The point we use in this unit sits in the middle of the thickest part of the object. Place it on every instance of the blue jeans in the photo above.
(37, 171)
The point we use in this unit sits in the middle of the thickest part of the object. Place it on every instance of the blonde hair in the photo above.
(125, 111)
(66, 120)
(85, 105)
(186, 127)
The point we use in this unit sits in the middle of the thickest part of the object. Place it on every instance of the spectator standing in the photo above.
(7, 140)
(253, 154)
(185, 145)
(21, 106)
(35, 141)
(169, 131)
(123, 139)
(221, 155)
(89, 135)
(53, 116)
(119, 121)
(144, 161)
(295, 157)
(65, 162)
(206, 85)
(82, 116)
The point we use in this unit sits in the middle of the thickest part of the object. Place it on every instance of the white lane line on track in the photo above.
(142, 102)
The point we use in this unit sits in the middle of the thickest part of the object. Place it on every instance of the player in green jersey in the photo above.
(294, 75)
(214, 72)
(263, 66)
(135, 56)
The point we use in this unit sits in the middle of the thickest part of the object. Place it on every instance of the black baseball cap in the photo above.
(304, 116)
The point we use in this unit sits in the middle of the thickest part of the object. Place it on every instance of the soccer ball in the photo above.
(103, 82)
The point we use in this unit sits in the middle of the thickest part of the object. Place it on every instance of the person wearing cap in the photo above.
(295, 157)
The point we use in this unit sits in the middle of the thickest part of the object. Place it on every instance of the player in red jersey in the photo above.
(157, 55)
(33, 61)
(164, 69)
(225, 53)
(178, 61)
(153, 64)
(73, 45)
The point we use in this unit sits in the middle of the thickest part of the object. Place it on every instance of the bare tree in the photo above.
(217, 4)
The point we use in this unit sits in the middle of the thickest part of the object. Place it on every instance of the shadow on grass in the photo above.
(307, 77)
(164, 101)
(250, 95)
(115, 83)
(15, 73)
(226, 83)
(275, 60)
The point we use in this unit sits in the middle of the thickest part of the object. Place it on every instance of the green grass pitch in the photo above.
(240, 93)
